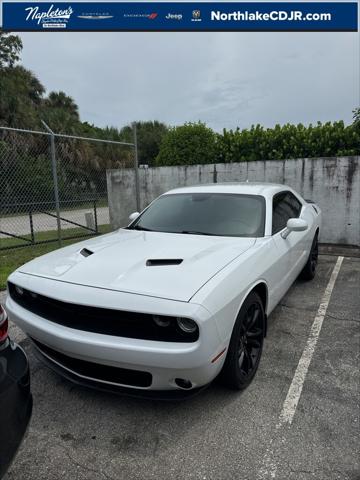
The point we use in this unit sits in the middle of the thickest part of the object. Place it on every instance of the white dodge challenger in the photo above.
(179, 296)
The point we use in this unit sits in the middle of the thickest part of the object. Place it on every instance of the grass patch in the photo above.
(14, 258)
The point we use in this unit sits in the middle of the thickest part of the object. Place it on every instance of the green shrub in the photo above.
(288, 141)
(189, 144)
(193, 144)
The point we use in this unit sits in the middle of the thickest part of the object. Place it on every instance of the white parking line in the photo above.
(293, 395)
(269, 464)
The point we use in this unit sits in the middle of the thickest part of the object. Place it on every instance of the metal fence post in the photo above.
(56, 187)
(31, 226)
(95, 218)
(215, 174)
(136, 168)
(55, 180)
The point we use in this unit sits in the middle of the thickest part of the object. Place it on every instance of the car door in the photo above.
(282, 267)
(285, 206)
(297, 240)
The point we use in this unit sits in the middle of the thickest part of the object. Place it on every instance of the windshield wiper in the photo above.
(195, 232)
(189, 232)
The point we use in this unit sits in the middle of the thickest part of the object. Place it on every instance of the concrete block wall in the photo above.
(333, 183)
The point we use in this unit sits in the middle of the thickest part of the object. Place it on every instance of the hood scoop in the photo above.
(162, 262)
(85, 252)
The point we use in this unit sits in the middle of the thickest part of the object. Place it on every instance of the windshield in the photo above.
(221, 214)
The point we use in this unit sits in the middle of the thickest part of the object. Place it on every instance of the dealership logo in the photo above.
(174, 16)
(196, 16)
(95, 16)
(150, 16)
(50, 18)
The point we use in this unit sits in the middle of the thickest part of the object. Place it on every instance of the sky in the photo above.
(224, 79)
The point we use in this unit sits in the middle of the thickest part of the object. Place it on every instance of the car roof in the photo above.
(248, 188)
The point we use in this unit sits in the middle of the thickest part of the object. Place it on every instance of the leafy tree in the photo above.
(61, 102)
(21, 92)
(21, 98)
(189, 144)
(61, 113)
(150, 134)
(356, 115)
(10, 49)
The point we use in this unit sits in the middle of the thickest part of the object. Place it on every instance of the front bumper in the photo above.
(163, 361)
(15, 401)
(110, 387)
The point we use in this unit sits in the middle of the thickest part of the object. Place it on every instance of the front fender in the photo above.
(225, 293)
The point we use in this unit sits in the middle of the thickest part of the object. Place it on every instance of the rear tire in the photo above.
(246, 344)
(309, 271)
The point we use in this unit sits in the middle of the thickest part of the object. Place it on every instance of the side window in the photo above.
(285, 206)
(280, 215)
(295, 205)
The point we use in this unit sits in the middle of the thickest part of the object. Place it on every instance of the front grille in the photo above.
(106, 321)
(96, 371)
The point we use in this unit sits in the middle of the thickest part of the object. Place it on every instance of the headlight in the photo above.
(19, 290)
(161, 321)
(186, 324)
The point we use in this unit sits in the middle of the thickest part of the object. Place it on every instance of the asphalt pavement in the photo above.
(79, 434)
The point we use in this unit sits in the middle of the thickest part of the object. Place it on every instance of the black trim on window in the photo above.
(289, 207)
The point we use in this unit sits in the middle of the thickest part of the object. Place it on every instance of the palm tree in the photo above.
(61, 101)
(356, 116)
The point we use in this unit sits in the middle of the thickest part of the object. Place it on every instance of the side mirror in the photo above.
(133, 216)
(294, 225)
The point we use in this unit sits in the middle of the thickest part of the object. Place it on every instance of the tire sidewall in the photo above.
(231, 366)
(308, 273)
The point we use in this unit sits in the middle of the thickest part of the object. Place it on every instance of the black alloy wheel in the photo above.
(314, 256)
(250, 340)
(246, 344)
(309, 271)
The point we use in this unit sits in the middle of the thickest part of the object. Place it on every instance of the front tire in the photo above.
(309, 271)
(246, 344)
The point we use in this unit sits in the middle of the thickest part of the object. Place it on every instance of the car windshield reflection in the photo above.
(216, 214)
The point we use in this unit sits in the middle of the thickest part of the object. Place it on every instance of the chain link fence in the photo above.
(53, 187)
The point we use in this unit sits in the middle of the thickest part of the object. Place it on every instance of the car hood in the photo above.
(119, 261)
